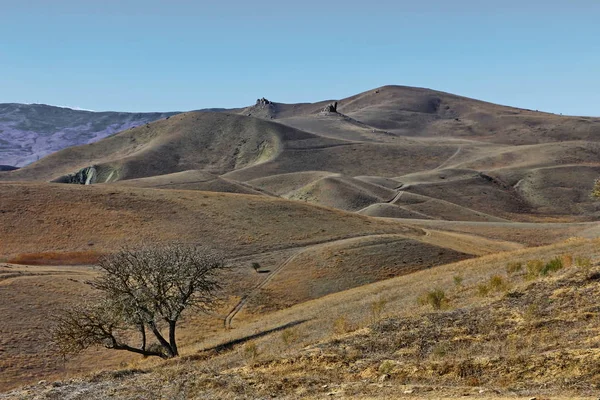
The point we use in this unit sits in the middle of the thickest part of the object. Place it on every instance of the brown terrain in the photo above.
(356, 217)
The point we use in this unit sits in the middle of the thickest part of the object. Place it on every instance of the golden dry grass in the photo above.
(464, 349)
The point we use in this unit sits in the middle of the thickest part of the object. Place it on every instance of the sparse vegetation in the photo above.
(534, 268)
(57, 258)
(514, 267)
(583, 262)
(483, 290)
(436, 298)
(377, 308)
(458, 280)
(498, 284)
(289, 336)
(250, 351)
(342, 325)
(551, 266)
(256, 266)
(140, 290)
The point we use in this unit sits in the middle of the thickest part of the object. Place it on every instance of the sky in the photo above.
(178, 55)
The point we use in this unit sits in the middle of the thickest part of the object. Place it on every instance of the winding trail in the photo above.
(456, 153)
(227, 320)
(256, 289)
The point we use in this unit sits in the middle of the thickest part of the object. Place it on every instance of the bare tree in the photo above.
(143, 291)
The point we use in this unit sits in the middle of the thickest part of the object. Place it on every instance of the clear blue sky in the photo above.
(179, 55)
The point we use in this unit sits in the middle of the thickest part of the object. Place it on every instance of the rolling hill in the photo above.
(338, 204)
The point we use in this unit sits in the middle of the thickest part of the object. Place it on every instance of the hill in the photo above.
(29, 132)
(331, 217)
(391, 152)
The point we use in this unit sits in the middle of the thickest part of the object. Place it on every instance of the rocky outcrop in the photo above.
(85, 176)
(263, 102)
(331, 108)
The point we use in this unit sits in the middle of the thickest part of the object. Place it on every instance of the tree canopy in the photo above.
(142, 290)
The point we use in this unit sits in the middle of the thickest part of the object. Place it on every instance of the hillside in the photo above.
(29, 132)
(390, 152)
(381, 341)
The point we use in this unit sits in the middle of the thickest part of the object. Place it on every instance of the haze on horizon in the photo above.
(183, 55)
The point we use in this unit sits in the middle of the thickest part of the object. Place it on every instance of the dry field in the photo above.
(527, 334)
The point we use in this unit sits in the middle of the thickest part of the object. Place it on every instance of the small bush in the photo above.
(553, 265)
(435, 298)
(458, 280)
(386, 367)
(514, 267)
(256, 266)
(441, 349)
(377, 308)
(250, 351)
(483, 290)
(534, 268)
(342, 325)
(498, 283)
(583, 262)
(289, 336)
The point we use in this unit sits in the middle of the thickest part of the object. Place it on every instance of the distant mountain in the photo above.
(29, 132)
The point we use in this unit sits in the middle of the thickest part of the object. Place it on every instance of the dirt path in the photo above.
(257, 288)
(456, 153)
(244, 300)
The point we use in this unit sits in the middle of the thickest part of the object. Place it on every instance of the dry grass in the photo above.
(57, 258)
(469, 344)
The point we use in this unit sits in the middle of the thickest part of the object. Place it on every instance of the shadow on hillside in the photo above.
(232, 343)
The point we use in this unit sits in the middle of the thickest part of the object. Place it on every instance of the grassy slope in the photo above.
(480, 345)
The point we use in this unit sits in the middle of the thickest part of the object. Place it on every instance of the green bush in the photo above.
(553, 265)
(458, 280)
(534, 268)
(498, 283)
(256, 266)
(483, 290)
(435, 298)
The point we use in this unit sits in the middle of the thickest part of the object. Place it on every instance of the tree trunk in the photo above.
(161, 339)
(172, 340)
(143, 332)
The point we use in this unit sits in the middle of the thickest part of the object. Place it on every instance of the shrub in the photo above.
(553, 265)
(256, 266)
(250, 351)
(583, 262)
(342, 325)
(289, 336)
(458, 280)
(534, 268)
(483, 290)
(435, 298)
(513, 267)
(377, 308)
(498, 283)
(386, 367)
